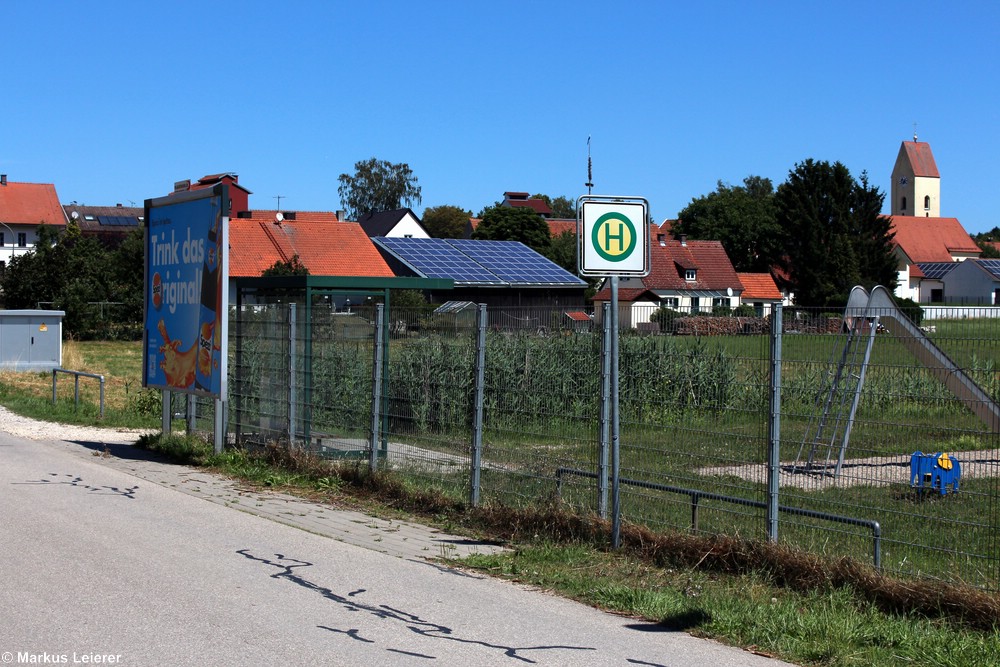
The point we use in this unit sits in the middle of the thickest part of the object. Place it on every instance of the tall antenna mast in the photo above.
(279, 198)
(914, 131)
(590, 170)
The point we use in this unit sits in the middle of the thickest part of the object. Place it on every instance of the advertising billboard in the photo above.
(186, 285)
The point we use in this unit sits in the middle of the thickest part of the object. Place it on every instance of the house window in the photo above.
(695, 305)
(22, 239)
(690, 275)
(927, 203)
(720, 302)
(1, 239)
(670, 302)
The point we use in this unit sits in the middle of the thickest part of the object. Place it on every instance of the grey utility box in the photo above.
(31, 340)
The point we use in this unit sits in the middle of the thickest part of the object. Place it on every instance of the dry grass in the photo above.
(784, 566)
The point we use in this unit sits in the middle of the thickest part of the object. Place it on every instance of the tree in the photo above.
(72, 273)
(743, 218)
(563, 250)
(376, 186)
(562, 207)
(986, 241)
(836, 235)
(446, 222)
(291, 267)
(507, 223)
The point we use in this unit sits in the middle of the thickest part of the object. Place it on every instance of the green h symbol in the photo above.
(620, 236)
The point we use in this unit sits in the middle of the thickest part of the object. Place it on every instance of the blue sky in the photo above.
(114, 101)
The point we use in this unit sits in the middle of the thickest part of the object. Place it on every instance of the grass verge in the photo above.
(770, 599)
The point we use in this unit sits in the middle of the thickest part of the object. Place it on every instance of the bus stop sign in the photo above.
(613, 235)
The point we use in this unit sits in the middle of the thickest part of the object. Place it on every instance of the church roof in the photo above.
(932, 239)
(921, 159)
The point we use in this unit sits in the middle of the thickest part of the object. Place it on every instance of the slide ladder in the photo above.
(829, 431)
(865, 314)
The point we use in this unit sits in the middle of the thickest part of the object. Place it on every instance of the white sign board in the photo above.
(613, 235)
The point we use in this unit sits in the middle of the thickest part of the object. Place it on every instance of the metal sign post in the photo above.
(613, 234)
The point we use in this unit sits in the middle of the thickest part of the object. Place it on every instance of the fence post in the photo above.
(291, 374)
(166, 412)
(476, 461)
(616, 508)
(602, 453)
(376, 423)
(191, 410)
(774, 430)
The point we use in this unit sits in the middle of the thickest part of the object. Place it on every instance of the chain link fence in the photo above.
(803, 432)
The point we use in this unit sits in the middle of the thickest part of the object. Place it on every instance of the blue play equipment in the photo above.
(934, 471)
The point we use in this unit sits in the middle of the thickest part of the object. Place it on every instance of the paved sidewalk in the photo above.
(396, 538)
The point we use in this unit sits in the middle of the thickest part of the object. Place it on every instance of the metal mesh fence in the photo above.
(859, 395)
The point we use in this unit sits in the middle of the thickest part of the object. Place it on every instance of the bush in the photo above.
(745, 310)
(666, 318)
(911, 309)
(721, 311)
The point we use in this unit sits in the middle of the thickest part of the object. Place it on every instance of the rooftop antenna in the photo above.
(279, 198)
(590, 170)
(914, 131)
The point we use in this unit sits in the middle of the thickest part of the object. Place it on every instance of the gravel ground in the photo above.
(32, 429)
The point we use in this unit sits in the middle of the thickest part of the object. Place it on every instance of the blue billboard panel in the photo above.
(186, 293)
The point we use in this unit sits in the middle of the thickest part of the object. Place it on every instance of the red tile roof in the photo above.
(759, 286)
(538, 205)
(341, 249)
(669, 260)
(299, 216)
(932, 239)
(559, 226)
(921, 159)
(578, 316)
(30, 204)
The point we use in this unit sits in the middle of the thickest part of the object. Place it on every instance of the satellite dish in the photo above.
(278, 217)
(74, 215)
(729, 291)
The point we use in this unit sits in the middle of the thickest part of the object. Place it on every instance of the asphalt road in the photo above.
(103, 567)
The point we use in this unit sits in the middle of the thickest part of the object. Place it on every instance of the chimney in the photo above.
(341, 215)
(683, 239)
(3, 180)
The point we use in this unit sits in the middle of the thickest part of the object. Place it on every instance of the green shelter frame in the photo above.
(304, 290)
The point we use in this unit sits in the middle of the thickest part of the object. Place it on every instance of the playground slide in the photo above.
(880, 305)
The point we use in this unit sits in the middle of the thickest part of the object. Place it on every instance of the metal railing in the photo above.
(696, 495)
(76, 386)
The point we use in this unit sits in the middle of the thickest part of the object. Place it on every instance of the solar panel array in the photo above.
(470, 262)
(991, 265)
(118, 220)
(936, 270)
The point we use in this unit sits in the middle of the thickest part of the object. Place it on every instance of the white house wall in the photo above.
(408, 227)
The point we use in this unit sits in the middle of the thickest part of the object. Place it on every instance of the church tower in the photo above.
(916, 184)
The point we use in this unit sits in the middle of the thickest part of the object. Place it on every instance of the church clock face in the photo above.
(902, 180)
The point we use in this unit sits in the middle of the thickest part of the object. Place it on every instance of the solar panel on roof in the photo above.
(936, 270)
(433, 258)
(474, 262)
(991, 265)
(117, 221)
(515, 262)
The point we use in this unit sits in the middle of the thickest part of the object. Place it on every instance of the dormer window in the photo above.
(690, 275)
